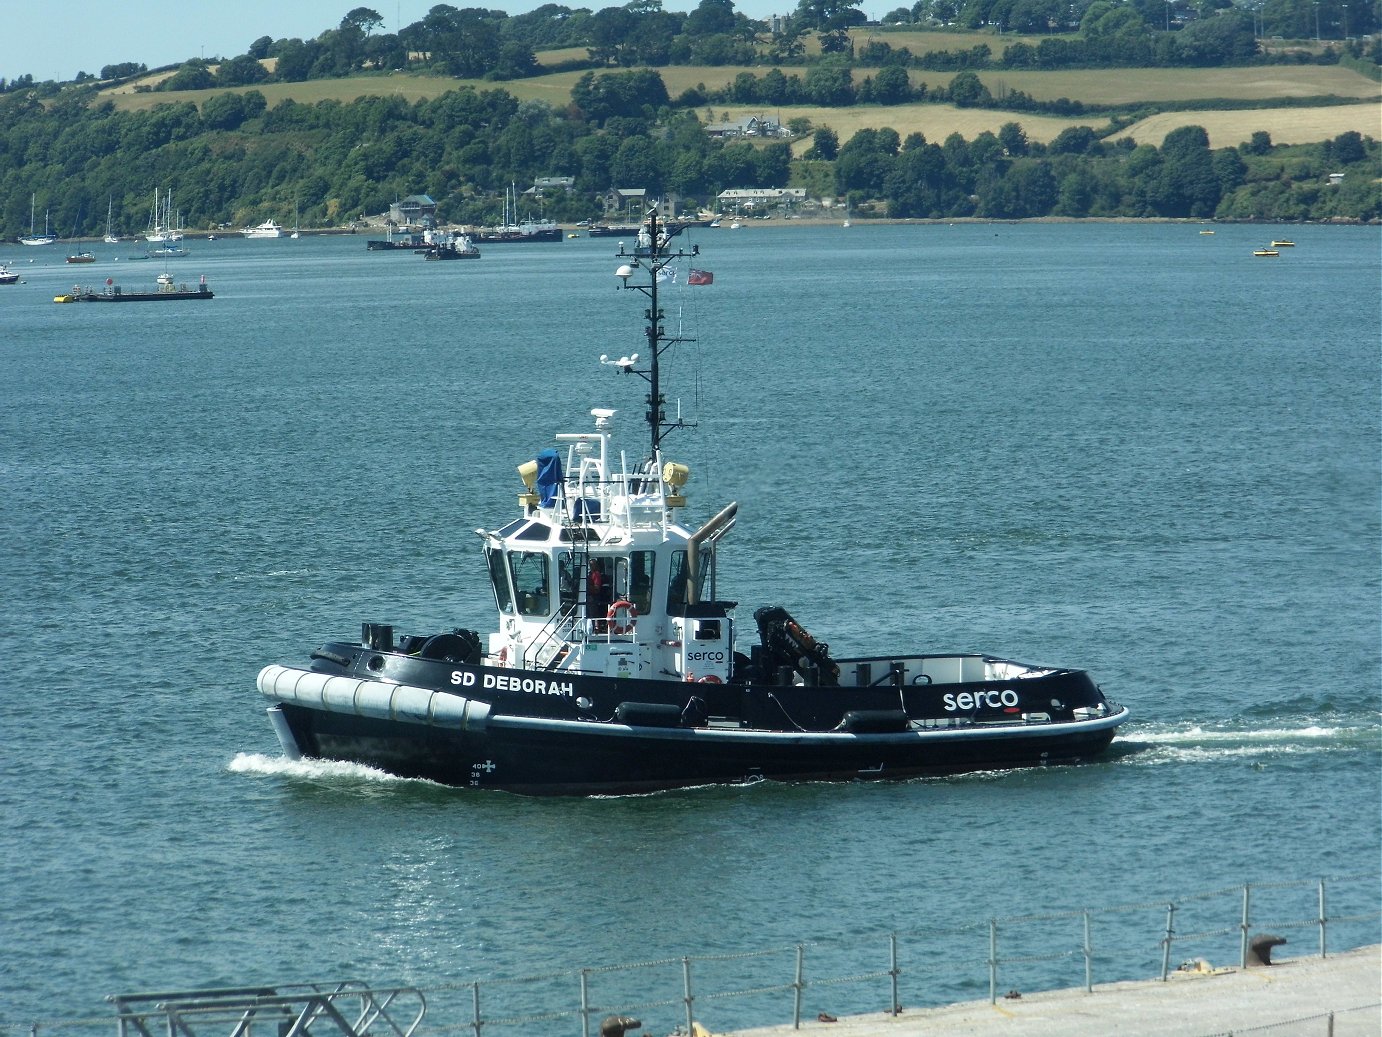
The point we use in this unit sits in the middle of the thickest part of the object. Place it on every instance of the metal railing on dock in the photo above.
(856, 974)
(348, 1008)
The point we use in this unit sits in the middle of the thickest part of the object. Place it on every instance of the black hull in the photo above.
(477, 726)
(517, 238)
(176, 296)
(553, 758)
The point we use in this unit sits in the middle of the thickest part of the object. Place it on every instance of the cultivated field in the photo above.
(408, 85)
(1090, 86)
(918, 41)
(1286, 125)
(935, 121)
(922, 41)
(1134, 85)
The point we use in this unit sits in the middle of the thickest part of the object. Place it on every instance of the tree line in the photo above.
(477, 43)
(1006, 176)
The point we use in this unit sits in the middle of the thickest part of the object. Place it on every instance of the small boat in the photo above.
(166, 290)
(8, 276)
(167, 252)
(1265, 252)
(612, 230)
(615, 664)
(453, 246)
(403, 243)
(267, 229)
(37, 239)
(1206, 232)
(1283, 244)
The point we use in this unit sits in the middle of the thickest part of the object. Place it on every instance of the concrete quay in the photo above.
(1301, 992)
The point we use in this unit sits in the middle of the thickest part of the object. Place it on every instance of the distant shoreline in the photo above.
(750, 223)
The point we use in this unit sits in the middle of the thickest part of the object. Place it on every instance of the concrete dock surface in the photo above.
(1301, 992)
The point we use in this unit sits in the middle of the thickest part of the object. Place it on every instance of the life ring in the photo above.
(709, 678)
(625, 625)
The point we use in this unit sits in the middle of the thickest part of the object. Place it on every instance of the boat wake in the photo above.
(315, 770)
(1190, 743)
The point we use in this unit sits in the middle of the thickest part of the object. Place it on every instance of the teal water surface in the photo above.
(1136, 449)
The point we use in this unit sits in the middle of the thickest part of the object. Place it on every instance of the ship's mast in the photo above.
(653, 254)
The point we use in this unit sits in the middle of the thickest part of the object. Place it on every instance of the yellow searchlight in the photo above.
(528, 473)
(675, 476)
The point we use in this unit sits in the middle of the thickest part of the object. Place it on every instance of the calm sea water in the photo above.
(1135, 449)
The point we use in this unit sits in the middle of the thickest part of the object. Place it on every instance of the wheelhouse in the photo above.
(597, 575)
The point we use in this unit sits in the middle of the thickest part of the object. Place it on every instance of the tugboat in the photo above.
(616, 666)
(452, 246)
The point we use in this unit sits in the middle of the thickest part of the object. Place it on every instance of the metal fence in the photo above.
(864, 973)
(1321, 1025)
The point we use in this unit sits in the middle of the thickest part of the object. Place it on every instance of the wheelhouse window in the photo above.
(530, 582)
(499, 579)
(568, 584)
(678, 579)
(641, 566)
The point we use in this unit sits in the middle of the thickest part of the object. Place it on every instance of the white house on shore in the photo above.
(735, 199)
(759, 126)
(417, 210)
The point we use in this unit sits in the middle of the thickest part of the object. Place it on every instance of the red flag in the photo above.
(700, 277)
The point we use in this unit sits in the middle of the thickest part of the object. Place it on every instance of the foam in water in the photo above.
(311, 770)
(1193, 742)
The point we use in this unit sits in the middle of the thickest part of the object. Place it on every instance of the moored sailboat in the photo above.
(46, 238)
(616, 665)
(110, 238)
(83, 255)
(512, 230)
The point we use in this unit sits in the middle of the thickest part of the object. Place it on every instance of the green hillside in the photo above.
(905, 122)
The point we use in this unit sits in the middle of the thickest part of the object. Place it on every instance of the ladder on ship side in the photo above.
(349, 1007)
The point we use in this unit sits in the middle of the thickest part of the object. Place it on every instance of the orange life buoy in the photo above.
(709, 678)
(625, 625)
